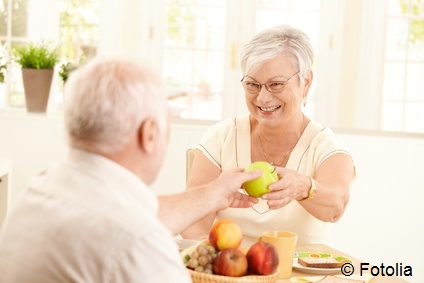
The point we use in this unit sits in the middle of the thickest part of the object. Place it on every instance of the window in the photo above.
(79, 28)
(194, 56)
(202, 44)
(77, 32)
(78, 35)
(369, 55)
(13, 23)
(403, 95)
(13, 30)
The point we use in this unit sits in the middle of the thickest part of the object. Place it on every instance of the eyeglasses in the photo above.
(271, 86)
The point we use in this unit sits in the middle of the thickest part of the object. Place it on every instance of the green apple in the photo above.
(259, 186)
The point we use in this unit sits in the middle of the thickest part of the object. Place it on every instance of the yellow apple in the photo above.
(225, 234)
(259, 186)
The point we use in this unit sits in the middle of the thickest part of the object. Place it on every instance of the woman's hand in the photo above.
(332, 181)
(290, 186)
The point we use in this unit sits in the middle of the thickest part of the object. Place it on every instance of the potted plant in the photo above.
(37, 61)
(3, 63)
(65, 69)
(3, 69)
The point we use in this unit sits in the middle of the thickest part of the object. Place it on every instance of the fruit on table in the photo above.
(230, 262)
(225, 234)
(262, 258)
(200, 257)
(259, 186)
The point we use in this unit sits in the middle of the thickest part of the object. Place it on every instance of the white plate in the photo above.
(309, 279)
(312, 270)
(185, 243)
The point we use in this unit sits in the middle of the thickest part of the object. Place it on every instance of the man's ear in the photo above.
(148, 135)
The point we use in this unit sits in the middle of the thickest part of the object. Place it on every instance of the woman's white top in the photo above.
(227, 145)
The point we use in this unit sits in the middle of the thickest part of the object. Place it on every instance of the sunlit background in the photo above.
(368, 69)
(369, 54)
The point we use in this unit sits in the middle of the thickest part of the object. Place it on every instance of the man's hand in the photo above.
(224, 190)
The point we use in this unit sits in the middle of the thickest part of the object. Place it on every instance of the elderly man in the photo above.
(92, 218)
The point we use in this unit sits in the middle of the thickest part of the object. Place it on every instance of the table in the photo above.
(326, 249)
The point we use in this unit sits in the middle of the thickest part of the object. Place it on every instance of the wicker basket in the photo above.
(199, 277)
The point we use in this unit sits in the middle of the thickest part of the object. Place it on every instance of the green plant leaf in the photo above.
(36, 55)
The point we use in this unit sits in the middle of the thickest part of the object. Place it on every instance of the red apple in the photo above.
(259, 186)
(262, 258)
(230, 262)
(225, 234)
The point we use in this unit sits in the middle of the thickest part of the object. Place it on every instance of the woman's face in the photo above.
(273, 109)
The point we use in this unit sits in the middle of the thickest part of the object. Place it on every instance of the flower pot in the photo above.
(37, 84)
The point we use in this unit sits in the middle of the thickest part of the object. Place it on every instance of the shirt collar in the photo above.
(105, 168)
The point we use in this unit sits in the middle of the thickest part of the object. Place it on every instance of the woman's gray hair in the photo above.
(106, 101)
(275, 41)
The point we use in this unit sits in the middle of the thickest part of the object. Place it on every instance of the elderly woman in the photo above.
(315, 170)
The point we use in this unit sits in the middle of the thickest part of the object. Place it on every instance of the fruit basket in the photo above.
(199, 277)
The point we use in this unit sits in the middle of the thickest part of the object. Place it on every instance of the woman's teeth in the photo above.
(268, 109)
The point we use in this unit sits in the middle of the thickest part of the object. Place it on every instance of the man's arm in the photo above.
(179, 211)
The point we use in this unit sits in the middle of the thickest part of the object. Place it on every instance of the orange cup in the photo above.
(285, 242)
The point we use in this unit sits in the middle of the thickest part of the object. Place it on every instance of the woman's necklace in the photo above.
(288, 151)
(269, 160)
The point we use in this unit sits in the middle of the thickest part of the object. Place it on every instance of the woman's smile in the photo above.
(269, 109)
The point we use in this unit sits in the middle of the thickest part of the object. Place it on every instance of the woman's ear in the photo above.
(148, 135)
(308, 83)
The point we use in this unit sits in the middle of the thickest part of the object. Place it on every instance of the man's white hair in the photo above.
(107, 100)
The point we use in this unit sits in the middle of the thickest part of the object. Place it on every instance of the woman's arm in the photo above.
(332, 180)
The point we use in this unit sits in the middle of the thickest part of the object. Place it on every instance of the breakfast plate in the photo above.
(313, 270)
(310, 279)
(185, 243)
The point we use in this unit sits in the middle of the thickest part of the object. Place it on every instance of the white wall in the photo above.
(382, 223)
(32, 141)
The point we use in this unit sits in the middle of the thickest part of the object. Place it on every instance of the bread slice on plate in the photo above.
(334, 279)
(320, 262)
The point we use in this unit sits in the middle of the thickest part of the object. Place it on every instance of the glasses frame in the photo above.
(284, 83)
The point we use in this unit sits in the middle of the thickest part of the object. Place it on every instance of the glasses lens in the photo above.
(251, 86)
(275, 86)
